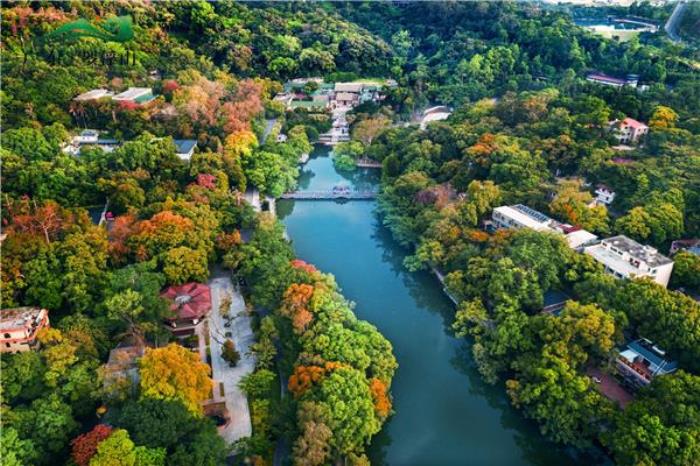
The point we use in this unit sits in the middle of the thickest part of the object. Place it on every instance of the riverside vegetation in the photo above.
(523, 111)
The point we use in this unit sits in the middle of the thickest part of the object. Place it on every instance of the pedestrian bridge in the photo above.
(329, 195)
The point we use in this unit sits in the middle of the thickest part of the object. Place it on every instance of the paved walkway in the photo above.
(242, 336)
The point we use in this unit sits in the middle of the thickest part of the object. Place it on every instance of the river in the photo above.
(445, 414)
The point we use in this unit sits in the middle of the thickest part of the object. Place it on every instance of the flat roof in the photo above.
(346, 96)
(349, 87)
(638, 251)
(580, 237)
(94, 94)
(613, 260)
(525, 216)
(133, 93)
(18, 317)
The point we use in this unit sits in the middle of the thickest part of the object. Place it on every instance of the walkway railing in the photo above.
(368, 163)
(329, 195)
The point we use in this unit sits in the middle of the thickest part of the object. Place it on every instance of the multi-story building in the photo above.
(19, 328)
(641, 361)
(520, 216)
(625, 258)
(604, 195)
(629, 130)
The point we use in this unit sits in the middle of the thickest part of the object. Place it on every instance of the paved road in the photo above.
(268, 127)
(673, 22)
(242, 336)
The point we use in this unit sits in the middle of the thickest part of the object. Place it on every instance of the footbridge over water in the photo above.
(330, 194)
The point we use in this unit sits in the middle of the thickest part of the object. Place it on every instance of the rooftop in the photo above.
(133, 93)
(349, 87)
(580, 237)
(184, 146)
(655, 356)
(631, 122)
(189, 301)
(19, 317)
(597, 76)
(345, 96)
(638, 251)
(94, 94)
(525, 216)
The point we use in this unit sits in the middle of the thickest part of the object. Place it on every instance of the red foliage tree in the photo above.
(305, 266)
(206, 180)
(170, 85)
(47, 219)
(84, 446)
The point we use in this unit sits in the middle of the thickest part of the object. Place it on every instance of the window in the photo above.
(7, 335)
(7, 345)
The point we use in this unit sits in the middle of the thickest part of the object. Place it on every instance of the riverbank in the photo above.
(457, 418)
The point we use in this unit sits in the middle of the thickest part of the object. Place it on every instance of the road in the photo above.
(674, 20)
(242, 335)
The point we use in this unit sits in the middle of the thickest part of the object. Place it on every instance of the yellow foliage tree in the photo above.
(175, 373)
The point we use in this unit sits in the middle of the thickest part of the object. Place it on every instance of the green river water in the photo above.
(445, 413)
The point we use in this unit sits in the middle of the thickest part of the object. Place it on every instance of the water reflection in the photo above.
(445, 413)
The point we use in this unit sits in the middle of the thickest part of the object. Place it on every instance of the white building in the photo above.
(625, 258)
(137, 95)
(87, 136)
(435, 114)
(604, 195)
(184, 148)
(19, 328)
(354, 88)
(94, 94)
(629, 130)
(520, 216)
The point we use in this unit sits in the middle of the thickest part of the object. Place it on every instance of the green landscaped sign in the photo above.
(116, 29)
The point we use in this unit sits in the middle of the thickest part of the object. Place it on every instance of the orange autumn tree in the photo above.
(295, 305)
(382, 403)
(175, 373)
(304, 377)
(163, 231)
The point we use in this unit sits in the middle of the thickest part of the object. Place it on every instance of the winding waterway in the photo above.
(445, 414)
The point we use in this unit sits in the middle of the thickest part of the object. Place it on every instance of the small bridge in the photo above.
(329, 195)
(368, 163)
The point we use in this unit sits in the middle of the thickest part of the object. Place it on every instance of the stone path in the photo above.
(242, 335)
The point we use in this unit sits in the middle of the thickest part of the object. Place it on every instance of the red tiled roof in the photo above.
(190, 301)
(633, 123)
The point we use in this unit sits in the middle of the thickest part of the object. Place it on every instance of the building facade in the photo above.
(136, 95)
(19, 328)
(520, 216)
(641, 361)
(629, 130)
(623, 257)
(604, 195)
